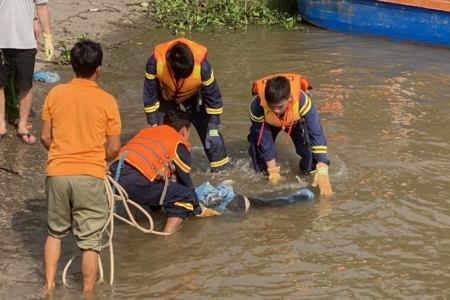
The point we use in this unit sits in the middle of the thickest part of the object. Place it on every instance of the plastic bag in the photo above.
(46, 77)
(215, 197)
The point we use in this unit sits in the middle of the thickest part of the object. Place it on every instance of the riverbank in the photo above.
(106, 21)
(110, 23)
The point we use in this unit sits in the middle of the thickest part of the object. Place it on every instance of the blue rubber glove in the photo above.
(213, 141)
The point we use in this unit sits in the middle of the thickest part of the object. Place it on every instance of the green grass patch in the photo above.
(186, 15)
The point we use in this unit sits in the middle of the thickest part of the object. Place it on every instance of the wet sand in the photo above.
(106, 21)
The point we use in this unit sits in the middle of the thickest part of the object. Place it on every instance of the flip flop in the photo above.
(28, 135)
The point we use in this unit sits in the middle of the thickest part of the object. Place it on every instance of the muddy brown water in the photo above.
(383, 235)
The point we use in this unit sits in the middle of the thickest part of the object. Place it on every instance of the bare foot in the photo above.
(27, 137)
(3, 131)
(46, 289)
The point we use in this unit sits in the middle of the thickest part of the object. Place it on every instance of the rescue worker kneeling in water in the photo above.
(178, 73)
(281, 103)
(150, 159)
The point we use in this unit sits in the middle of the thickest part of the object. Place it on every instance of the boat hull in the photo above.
(397, 22)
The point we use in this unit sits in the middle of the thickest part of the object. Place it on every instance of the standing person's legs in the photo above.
(89, 268)
(11, 99)
(4, 72)
(52, 252)
(25, 101)
(219, 160)
(57, 191)
(2, 113)
(90, 214)
(22, 63)
(12, 104)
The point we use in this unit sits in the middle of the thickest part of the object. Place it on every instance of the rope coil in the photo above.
(110, 198)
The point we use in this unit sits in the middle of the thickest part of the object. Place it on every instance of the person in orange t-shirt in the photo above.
(79, 119)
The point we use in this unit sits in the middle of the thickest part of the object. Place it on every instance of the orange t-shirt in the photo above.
(82, 115)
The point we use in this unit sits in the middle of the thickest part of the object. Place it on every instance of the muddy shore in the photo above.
(111, 23)
(106, 21)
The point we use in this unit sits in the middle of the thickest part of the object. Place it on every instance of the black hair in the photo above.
(85, 57)
(181, 61)
(177, 119)
(277, 89)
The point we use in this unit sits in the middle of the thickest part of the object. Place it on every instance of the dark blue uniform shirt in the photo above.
(211, 97)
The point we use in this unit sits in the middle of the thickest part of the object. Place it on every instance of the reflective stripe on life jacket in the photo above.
(184, 88)
(153, 150)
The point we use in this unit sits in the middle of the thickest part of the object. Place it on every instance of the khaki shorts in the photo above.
(77, 202)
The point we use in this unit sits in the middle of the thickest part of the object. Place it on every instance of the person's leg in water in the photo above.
(241, 204)
(299, 135)
(218, 159)
(222, 198)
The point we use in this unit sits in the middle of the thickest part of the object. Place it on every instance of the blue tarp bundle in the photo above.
(46, 77)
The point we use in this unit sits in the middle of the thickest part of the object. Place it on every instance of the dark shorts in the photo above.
(21, 63)
(178, 201)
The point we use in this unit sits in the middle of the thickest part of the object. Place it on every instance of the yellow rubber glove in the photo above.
(274, 175)
(207, 212)
(322, 180)
(48, 45)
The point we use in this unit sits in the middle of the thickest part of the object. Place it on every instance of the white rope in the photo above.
(110, 198)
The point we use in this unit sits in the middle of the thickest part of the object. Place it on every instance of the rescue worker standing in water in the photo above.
(179, 73)
(281, 103)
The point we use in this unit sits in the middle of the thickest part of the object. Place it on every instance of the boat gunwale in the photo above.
(441, 5)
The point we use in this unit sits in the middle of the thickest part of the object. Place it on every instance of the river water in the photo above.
(383, 235)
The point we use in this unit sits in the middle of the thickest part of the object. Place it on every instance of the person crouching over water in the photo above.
(150, 159)
(179, 74)
(281, 103)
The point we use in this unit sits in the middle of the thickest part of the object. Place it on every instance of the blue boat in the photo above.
(425, 22)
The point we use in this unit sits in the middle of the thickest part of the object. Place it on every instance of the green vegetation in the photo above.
(64, 56)
(187, 15)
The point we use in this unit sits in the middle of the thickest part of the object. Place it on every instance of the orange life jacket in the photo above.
(291, 115)
(153, 150)
(184, 88)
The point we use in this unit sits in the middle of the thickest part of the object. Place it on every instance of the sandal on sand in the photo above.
(28, 135)
(2, 135)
